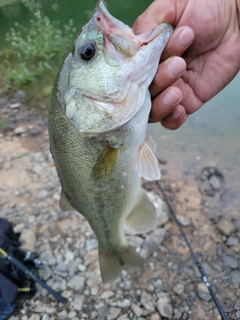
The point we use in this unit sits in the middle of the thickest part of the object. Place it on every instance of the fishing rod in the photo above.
(31, 275)
(198, 264)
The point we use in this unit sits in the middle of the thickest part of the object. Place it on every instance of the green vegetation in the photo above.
(34, 50)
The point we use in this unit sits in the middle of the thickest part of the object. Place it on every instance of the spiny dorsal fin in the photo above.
(64, 204)
(147, 165)
(143, 217)
(106, 163)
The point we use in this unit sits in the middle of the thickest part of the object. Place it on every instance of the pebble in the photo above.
(215, 183)
(113, 313)
(45, 272)
(164, 306)
(229, 261)
(184, 221)
(203, 292)
(155, 316)
(107, 294)
(77, 283)
(179, 288)
(124, 304)
(45, 317)
(235, 277)
(226, 227)
(232, 242)
(28, 239)
(136, 309)
(19, 130)
(78, 302)
(147, 301)
(72, 314)
(42, 194)
(48, 257)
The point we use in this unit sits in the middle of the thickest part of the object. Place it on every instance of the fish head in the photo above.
(108, 71)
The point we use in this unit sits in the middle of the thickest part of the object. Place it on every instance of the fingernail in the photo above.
(186, 37)
(176, 66)
(170, 97)
(177, 113)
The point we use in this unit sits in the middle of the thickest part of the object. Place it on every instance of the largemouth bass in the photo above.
(98, 117)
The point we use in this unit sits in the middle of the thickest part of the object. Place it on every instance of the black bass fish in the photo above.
(98, 117)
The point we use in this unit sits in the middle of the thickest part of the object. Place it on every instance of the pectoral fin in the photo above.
(64, 204)
(143, 218)
(106, 163)
(147, 165)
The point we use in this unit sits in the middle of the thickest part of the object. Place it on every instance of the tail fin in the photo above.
(111, 263)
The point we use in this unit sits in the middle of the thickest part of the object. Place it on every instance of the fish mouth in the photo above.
(121, 35)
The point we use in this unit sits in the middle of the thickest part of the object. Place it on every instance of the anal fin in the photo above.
(143, 217)
(147, 165)
(106, 163)
(64, 204)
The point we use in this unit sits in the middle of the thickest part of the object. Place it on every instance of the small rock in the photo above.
(15, 105)
(183, 220)
(107, 294)
(45, 317)
(61, 268)
(47, 256)
(136, 309)
(91, 244)
(215, 183)
(177, 313)
(28, 239)
(51, 309)
(155, 316)
(59, 285)
(72, 314)
(232, 242)
(19, 130)
(229, 261)
(179, 288)
(113, 313)
(147, 301)
(164, 306)
(135, 241)
(78, 302)
(69, 256)
(42, 194)
(238, 293)
(203, 292)
(45, 272)
(235, 276)
(124, 304)
(34, 317)
(226, 227)
(77, 283)
(40, 307)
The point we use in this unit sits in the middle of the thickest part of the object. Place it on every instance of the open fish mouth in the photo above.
(121, 35)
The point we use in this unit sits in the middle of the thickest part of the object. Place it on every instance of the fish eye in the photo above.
(87, 51)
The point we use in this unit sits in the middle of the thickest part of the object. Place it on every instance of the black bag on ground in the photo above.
(14, 284)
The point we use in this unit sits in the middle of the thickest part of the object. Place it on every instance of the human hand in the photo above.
(209, 62)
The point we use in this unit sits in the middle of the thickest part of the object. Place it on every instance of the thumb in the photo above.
(158, 12)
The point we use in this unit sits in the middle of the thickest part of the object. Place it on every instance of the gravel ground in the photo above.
(169, 286)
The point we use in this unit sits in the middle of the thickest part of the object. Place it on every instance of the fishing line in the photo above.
(198, 264)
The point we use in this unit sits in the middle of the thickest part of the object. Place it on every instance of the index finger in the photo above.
(158, 12)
